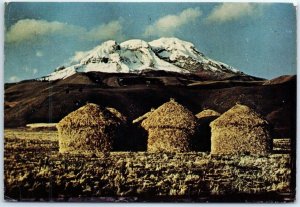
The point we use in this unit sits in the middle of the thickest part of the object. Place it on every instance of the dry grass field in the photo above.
(34, 170)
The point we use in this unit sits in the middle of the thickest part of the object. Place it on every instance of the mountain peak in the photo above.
(134, 44)
(171, 43)
(136, 55)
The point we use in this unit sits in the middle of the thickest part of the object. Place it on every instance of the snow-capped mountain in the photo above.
(133, 56)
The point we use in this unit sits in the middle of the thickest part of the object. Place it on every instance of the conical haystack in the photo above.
(143, 117)
(170, 128)
(90, 128)
(207, 113)
(204, 118)
(117, 114)
(240, 130)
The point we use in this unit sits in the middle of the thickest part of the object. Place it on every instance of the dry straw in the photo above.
(240, 130)
(90, 128)
(143, 117)
(207, 113)
(170, 128)
(117, 114)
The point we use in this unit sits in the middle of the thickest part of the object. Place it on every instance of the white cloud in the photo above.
(30, 70)
(14, 79)
(232, 11)
(31, 29)
(111, 30)
(78, 56)
(34, 71)
(39, 53)
(168, 25)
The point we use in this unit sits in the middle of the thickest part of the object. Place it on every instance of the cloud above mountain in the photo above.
(169, 24)
(28, 29)
(106, 31)
(78, 56)
(232, 11)
(39, 54)
(14, 78)
(32, 29)
(250, 36)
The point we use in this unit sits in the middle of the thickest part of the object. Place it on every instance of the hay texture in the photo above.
(117, 114)
(240, 130)
(42, 126)
(90, 128)
(207, 113)
(143, 117)
(170, 127)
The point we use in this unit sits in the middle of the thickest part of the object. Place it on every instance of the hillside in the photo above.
(135, 94)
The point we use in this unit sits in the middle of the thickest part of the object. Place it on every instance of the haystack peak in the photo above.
(207, 113)
(240, 114)
(90, 115)
(170, 114)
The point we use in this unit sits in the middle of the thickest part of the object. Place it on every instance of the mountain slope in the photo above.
(135, 94)
(134, 56)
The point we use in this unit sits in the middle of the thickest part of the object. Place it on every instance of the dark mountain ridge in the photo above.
(135, 94)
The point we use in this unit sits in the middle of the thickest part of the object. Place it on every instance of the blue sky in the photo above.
(258, 39)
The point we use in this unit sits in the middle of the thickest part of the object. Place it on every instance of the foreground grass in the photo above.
(34, 170)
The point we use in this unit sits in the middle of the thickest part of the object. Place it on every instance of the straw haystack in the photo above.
(204, 118)
(207, 113)
(90, 128)
(143, 117)
(240, 130)
(117, 114)
(170, 127)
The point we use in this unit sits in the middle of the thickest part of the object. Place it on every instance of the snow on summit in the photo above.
(133, 56)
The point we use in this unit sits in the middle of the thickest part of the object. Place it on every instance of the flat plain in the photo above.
(36, 171)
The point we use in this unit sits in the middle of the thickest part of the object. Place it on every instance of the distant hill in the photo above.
(135, 94)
